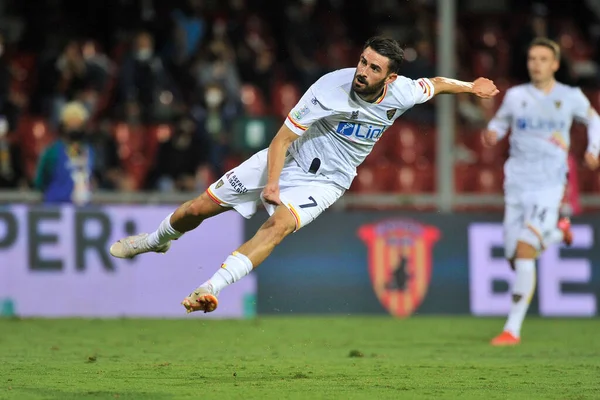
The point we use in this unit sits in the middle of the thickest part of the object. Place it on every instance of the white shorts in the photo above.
(529, 216)
(306, 195)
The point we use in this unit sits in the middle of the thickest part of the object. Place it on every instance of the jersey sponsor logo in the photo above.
(301, 112)
(358, 130)
(400, 254)
(540, 124)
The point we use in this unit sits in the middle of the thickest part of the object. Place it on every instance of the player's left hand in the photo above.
(484, 88)
(271, 194)
(591, 161)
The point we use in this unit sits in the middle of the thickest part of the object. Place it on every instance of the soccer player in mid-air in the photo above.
(539, 115)
(309, 164)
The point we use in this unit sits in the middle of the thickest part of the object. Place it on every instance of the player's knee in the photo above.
(278, 228)
(526, 250)
(200, 207)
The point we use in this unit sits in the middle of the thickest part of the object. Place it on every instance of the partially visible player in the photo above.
(539, 115)
(309, 164)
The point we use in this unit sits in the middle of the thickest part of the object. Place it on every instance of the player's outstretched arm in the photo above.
(275, 159)
(481, 87)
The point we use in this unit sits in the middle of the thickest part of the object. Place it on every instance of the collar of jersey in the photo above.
(379, 99)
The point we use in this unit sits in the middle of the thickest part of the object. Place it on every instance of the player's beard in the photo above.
(366, 90)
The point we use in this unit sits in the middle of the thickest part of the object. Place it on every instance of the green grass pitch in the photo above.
(297, 358)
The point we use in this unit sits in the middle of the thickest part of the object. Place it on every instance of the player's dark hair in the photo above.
(545, 42)
(388, 48)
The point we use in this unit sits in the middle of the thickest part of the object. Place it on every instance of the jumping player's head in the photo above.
(378, 65)
(543, 60)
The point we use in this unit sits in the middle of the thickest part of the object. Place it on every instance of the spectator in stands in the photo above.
(179, 159)
(215, 115)
(99, 69)
(65, 168)
(11, 171)
(9, 108)
(217, 63)
(189, 30)
(303, 39)
(144, 82)
(62, 79)
(108, 172)
(255, 55)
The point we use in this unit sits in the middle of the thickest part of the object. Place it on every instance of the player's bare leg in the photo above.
(523, 289)
(185, 218)
(241, 262)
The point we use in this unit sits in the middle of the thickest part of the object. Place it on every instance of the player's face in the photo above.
(371, 73)
(541, 63)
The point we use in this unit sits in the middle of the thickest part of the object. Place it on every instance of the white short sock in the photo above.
(234, 268)
(163, 234)
(524, 287)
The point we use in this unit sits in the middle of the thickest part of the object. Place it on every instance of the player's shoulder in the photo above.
(337, 78)
(568, 89)
(402, 90)
(401, 84)
(517, 89)
(333, 87)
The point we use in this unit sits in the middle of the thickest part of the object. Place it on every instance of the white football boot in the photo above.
(201, 299)
(131, 246)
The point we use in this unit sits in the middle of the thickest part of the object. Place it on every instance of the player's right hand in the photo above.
(271, 194)
(489, 138)
(484, 88)
(591, 161)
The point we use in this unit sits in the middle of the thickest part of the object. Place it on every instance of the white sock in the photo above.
(163, 234)
(553, 236)
(235, 267)
(524, 287)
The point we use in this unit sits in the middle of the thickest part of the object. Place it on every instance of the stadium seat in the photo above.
(23, 66)
(412, 180)
(589, 181)
(253, 100)
(381, 150)
(156, 134)
(413, 143)
(488, 180)
(376, 178)
(594, 97)
(578, 140)
(34, 136)
(495, 155)
(478, 178)
(284, 97)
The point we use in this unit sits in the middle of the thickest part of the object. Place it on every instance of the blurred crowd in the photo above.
(156, 87)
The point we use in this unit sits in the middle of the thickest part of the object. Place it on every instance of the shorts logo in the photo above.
(301, 112)
(400, 262)
(219, 184)
(236, 184)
